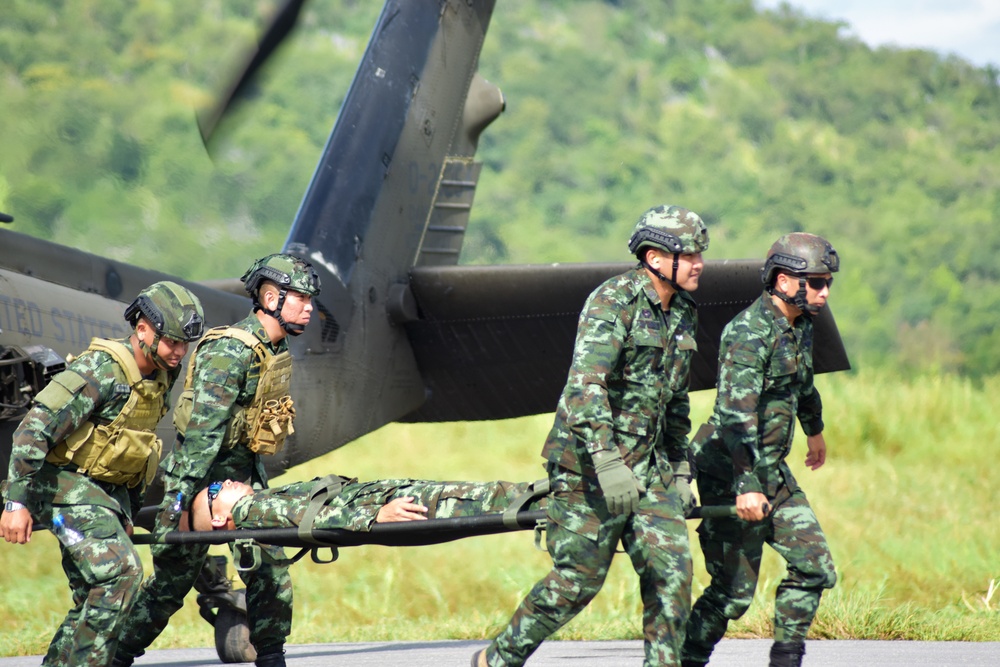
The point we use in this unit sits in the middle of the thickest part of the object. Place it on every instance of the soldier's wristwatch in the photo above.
(11, 506)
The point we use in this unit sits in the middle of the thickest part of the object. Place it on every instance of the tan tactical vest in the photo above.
(126, 450)
(265, 424)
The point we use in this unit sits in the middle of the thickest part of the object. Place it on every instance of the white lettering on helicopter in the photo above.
(63, 326)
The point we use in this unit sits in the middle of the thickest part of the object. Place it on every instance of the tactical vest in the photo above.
(265, 424)
(126, 450)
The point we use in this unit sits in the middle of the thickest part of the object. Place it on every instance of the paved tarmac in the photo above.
(729, 653)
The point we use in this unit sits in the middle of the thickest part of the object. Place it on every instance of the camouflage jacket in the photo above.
(285, 507)
(765, 381)
(225, 375)
(32, 480)
(628, 382)
(355, 505)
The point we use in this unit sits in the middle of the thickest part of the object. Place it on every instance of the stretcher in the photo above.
(402, 534)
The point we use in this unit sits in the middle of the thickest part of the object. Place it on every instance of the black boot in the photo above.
(692, 663)
(123, 659)
(276, 659)
(787, 654)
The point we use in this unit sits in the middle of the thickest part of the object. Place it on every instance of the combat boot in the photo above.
(479, 658)
(692, 663)
(787, 654)
(271, 659)
(123, 659)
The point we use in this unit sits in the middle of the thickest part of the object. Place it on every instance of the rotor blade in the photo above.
(281, 25)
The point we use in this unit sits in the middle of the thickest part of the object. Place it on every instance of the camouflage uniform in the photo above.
(356, 504)
(626, 391)
(103, 569)
(225, 376)
(765, 382)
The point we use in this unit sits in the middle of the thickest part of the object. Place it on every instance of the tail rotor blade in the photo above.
(279, 28)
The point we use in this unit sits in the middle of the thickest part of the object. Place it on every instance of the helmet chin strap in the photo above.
(290, 328)
(150, 351)
(670, 281)
(800, 299)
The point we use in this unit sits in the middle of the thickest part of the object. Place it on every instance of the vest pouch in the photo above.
(236, 428)
(272, 426)
(130, 458)
(67, 450)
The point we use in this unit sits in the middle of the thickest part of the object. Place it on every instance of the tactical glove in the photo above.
(682, 477)
(621, 488)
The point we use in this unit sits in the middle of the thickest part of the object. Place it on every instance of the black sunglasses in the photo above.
(213, 492)
(819, 282)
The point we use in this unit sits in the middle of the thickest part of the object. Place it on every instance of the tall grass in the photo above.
(905, 499)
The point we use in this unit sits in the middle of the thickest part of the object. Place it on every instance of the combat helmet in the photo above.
(288, 273)
(799, 254)
(672, 229)
(173, 311)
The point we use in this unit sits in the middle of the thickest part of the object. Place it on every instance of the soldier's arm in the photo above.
(810, 408)
(599, 340)
(60, 409)
(677, 414)
(677, 427)
(741, 381)
(810, 415)
(219, 376)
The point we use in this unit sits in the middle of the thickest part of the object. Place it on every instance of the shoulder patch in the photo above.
(61, 390)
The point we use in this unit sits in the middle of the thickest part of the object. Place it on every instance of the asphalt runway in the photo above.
(729, 653)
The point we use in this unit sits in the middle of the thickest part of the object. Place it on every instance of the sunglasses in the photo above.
(213, 492)
(819, 282)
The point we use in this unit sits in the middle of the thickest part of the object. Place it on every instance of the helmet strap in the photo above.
(150, 351)
(670, 281)
(289, 328)
(799, 300)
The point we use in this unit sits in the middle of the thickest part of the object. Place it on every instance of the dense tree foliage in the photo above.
(764, 122)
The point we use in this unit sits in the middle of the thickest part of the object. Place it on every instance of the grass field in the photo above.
(905, 499)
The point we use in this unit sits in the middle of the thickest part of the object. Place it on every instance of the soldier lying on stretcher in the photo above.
(335, 502)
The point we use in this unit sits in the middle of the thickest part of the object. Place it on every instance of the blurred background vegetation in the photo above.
(764, 122)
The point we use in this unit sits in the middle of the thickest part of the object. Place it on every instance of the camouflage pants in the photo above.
(104, 573)
(445, 500)
(733, 550)
(175, 569)
(581, 537)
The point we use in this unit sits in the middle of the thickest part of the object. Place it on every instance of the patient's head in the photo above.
(212, 508)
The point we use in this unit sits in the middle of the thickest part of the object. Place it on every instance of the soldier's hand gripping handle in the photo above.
(752, 506)
(621, 488)
(16, 524)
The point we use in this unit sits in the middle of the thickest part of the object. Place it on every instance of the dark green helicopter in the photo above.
(404, 333)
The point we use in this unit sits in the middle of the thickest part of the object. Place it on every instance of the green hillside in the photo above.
(763, 122)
